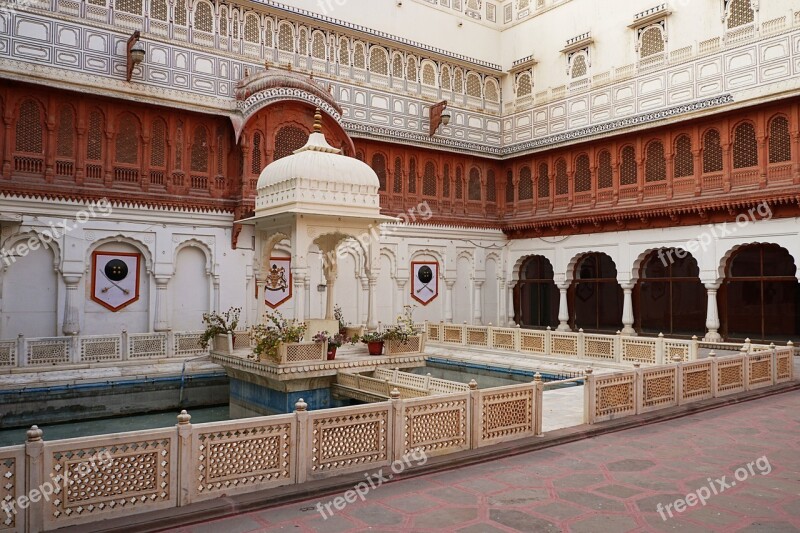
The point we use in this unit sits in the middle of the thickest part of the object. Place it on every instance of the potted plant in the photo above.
(269, 336)
(339, 316)
(334, 342)
(374, 342)
(220, 324)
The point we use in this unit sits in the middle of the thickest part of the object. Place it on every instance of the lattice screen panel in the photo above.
(180, 13)
(397, 66)
(459, 184)
(684, 160)
(579, 66)
(780, 142)
(378, 61)
(492, 93)
(525, 185)
(29, 128)
(200, 150)
(318, 45)
(605, 172)
(473, 85)
(458, 81)
(398, 175)
(745, 146)
(344, 52)
(524, 85)
(429, 180)
(474, 190)
(652, 42)
(544, 181)
(203, 18)
(379, 166)
(289, 139)
(627, 171)
(65, 145)
(445, 81)
(256, 166)
(412, 176)
(127, 141)
(158, 10)
(491, 186)
(655, 164)
(740, 13)
(251, 28)
(562, 179)
(359, 56)
(712, 152)
(411, 69)
(583, 175)
(446, 182)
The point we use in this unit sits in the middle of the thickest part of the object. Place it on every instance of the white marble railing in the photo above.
(89, 349)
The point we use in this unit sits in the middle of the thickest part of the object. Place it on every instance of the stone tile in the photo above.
(520, 521)
(619, 491)
(578, 481)
(712, 516)
(233, 524)
(376, 515)
(744, 506)
(334, 524)
(520, 479)
(483, 527)
(518, 497)
(655, 523)
(630, 465)
(412, 502)
(483, 485)
(453, 495)
(769, 527)
(445, 517)
(593, 524)
(592, 501)
(559, 510)
(650, 503)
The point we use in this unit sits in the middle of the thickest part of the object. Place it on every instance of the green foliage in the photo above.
(275, 331)
(219, 324)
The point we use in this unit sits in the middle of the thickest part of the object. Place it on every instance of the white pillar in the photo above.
(307, 304)
(372, 321)
(216, 294)
(627, 309)
(161, 322)
(330, 293)
(510, 304)
(712, 314)
(477, 302)
(299, 295)
(71, 319)
(448, 300)
(563, 309)
(400, 299)
(362, 301)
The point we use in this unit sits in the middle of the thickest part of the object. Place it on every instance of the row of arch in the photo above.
(650, 165)
(256, 28)
(759, 297)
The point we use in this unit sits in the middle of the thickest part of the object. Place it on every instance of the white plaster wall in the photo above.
(190, 292)
(30, 297)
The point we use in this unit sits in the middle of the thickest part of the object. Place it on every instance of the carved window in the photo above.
(655, 163)
(268, 33)
(525, 184)
(398, 175)
(256, 164)
(288, 139)
(235, 25)
(379, 166)
(524, 85)
(605, 171)
(302, 42)
(412, 176)
(158, 10)
(458, 81)
(780, 142)
(94, 139)
(459, 184)
(628, 174)
(126, 147)
(474, 190)
(30, 137)
(428, 74)
(562, 178)
(583, 174)
(344, 52)
(444, 79)
(745, 146)
(510, 187)
(429, 180)
(651, 41)
(180, 13)
(220, 149)
(65, 145)
(411, 69)
(491, 186)
(129, 6)
(579, 66)
(378, 60)
(359, 56)
(318, 45)
(223, 21)
(740, 13)
(473, 85)
(397, 66)
(200, 150)
(158, 144)
(543, 184)
(684, 160)
(712, 152)
(203, 18)
(492, 92)
(286, 38)
(446, 182)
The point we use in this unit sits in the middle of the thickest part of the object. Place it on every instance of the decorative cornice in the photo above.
(359, 130)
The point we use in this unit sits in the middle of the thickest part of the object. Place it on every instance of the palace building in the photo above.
(632, 169)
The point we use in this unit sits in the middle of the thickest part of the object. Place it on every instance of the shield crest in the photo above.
(424, 281)
(115, 279)
(278, 282)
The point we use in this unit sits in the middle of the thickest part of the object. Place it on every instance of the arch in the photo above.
(684, 159)
(392, 257)
(745, 145)
(579, 65)
(524, 85)
(411, 68)
(525, 186)
(126, 142)
(379, 60)
(286, 36)
(760, 293)
(189, 288)
(491, 90)
(429, 179)
(562, 178)
(583, 174)
(445, 79)
(474, 85)
(141, 246)
(30, 127)
(651, 41)
(543, 181)
(398, 67)
(458, 81)
(252, 28)
(605, 170)
(628, 171)
(668, 296)
(318, 48)
(42, 235)
(595, 297)
(288, 139)
(203, 18)
(474, 188)
(739, 13)
(420, 253)
(536, 297)
(302, 41)
(223, 21)
(428, 73)
(655, 162)
(359, 55)
(200, 245)
(780, 141)
(344, 51)
(712, 151)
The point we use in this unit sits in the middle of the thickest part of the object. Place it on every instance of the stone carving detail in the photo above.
(188, 344)
(8, 353)
(503, 339)
(97, 349)
(563, 345)
(477, 337)
(638, 352)
(614, 396)
(348, 440)
(532, 342)
(452, 334)
(147, 346)
(658, 387)
(436, 425)
(697, 382)
(760, 371)
(507, 412)
(48, 351)
(598, 348)
(8, 490)
(730, 375)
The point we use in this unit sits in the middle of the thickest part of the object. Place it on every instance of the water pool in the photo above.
(486, 376)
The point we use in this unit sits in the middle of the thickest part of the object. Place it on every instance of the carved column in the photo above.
(727, 166)
(372, 321)
(216, 295)
(627, 309)
(7, 147)
(162, 322)
(71, 324)
(477, 307)
(50, 150)
(763, 161)
(330, 280)
(299, 277)
(670, 160)
(448, 300)
(510, 305)
(712, 313)
(796, 157)
(401, 291)
(698, 171)
(563, 308)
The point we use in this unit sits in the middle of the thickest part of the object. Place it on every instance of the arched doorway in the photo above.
(669, 296)
(760, 294)
(536, 294)
(595, 297)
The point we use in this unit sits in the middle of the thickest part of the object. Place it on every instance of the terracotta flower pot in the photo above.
(375, 348)
(331, 353)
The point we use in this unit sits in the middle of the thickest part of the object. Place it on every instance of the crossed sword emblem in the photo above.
(104, 290)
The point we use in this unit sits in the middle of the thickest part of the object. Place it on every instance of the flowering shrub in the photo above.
(219, 324)
(404, 327)
(334, 341)
(276, 330)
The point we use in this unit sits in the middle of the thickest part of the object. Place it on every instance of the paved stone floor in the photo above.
(611, 483)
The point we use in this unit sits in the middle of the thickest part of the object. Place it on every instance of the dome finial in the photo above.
(318, 121)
